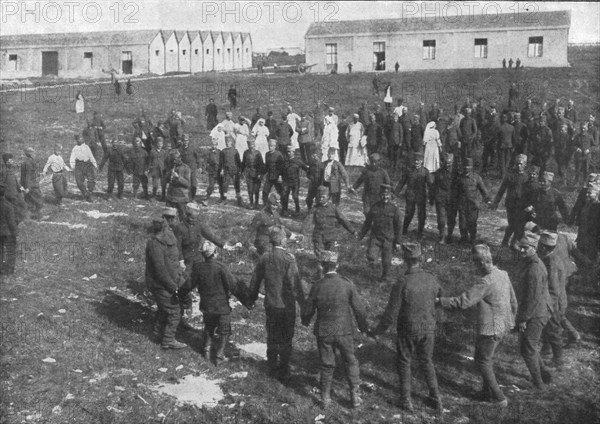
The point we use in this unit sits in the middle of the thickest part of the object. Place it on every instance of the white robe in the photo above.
(431, 140)
(330, 139)
(261, 134)
(356, 154)
(241, 138)
(79, 105)
(292, 120)
(220, 136)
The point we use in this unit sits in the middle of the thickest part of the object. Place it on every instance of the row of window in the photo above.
(184, 52)
(534, 49)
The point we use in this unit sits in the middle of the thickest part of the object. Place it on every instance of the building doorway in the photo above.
(379, 56)
(126, 63)
(50, 63)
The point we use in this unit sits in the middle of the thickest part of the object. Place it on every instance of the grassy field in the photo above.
(76, 326)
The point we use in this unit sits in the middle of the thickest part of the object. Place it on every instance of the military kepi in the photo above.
(411, 250)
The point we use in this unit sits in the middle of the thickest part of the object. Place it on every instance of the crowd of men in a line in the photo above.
(178, 260)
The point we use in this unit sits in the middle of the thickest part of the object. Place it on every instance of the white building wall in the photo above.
(196, 52)
(184, 54)
(157, 55)
(171, 54)
(208, 54)
(218, 51)
(227, 51)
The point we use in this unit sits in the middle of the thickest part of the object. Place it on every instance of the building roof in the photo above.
(215, 35)
(180, 35)
(166, 34)
(440, 24)
(205, 35)
(97, 38)
(193, 35)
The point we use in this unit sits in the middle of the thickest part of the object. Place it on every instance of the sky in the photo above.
(272, 24)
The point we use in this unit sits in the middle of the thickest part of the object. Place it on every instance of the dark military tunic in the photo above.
(372, 177)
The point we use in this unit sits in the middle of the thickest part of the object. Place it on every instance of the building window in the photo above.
(536, 47)
(428, 49)
(196, 51)
(237, 51)
(184, 52)
(481, 48)
(171, 50)
(156, 52)
(228, 51)
(12, 62)
(207, 51)
(331, 59)
(218, 51)
(246, 50)
(379, 56)
(88, 59)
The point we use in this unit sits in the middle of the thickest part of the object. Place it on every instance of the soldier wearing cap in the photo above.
(496, 308)
(215, 284)
(588, 231)
(283, 289)
(252, 169)
(261, 224)
(535, 307)
(57, 166)
(291, 179)
(156, 167)
(138, 164)
(412, 303)
(116, 166)
(231, 165)
(513, 184)
(178, 180)
(84, 164)
(334, 174)
(212, 159)
(583, 142)
(542, 143)
(190, 155)
(164, 278)
(383, 221)
(8, 234)
(562, 133)
(13, 191)
(30, 183)
(416, 180)
(468, 130)
(443, 193)
(520, 136)
(372, 177)
(575, 217)
(314, 173)
(326, 218)
(506, 145)
(274, 163)
(337, 304)
(469, 186)
(557, 288)
(547, 203)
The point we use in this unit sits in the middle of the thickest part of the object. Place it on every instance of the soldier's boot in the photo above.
(443, 236)
(157, 331)
(239, 200)
(206, 344)
(193, 191)
(436, 402)
(355, 398)
(284, 373)
(546, 350)
(135, 191)
(220, 353)
(145, 189)
(154, 191)
(297, 203)
(506, 238)
(325, 391)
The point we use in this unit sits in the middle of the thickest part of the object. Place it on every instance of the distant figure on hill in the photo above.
(518, 63)
(117, 85)
(129, 88)
(510, 63)
(396, 67)
(504, 63)
(349, 67)
(232, 97)
(79, 103)
(376, 85)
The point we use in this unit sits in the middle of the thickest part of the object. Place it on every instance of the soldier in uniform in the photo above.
(84, 164)
(283, 289)
(231, 165)
(138, 158)
(158, 158)
(213, 165)
(252, 169)
(547, 203)
(543, 146)
(178, 180)
(412, 303)
(274, 162)
(262, 223)
(521, 136)
(291, 179)
(442, 193)
(416, 180)
(583, 143)
(314, 173)
(506, 145)
(210, 113)
(469, 186)
(535, 307)
(215, 284)
(337, 304)
(326, 218)
(557, 289)
(334, 174)
(373, 177)
(164, 278)
(8, 234)
(116, 167)
(57, 165)
(191, 157)
(468, 129)
(562, 133)
(513, 184)
(383, 221)
(305, 136)
(496, 309)
(31, 184)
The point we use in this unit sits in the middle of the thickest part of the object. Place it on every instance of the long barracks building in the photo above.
(477, 41)
(92, 54)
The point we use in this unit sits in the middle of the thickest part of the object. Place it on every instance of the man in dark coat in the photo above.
(274, 162)
(212, 160)
(271, 124)
(262, 223)
(468, 129)
(164, 278)
(412, 304)
(215, 284)
(291, 180)
(395, 140)
(337, 304)
(230, 170)
(535, 307)
(8, 234)
(210, 113)
(416, 181)
(178, 180)
(305, 137)
(283, 133)
(583, 142)
(116, 169)
(506, 146)
(513, 184)
(469, 186)
(191, 157)
(138, 159)
(283, 289)
(373, 177)
(252, 169)
(442, 193)
(232, 97)
(156, 168)
(562, 134)
(547, 203)
(334, 174)
(314, 173)
(30, 183)
(384, 222)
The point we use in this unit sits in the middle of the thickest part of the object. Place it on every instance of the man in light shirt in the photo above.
(83, 162)
(57, 165)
